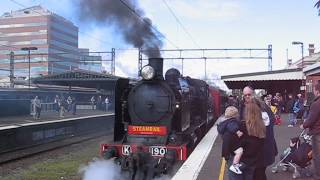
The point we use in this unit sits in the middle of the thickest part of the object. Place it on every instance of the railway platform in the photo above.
(22, 135)
(209, 164)
(47, 117)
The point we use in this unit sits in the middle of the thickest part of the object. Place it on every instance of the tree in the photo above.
(317, 5)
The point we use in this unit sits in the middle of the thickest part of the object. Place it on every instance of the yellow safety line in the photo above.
(223, 166)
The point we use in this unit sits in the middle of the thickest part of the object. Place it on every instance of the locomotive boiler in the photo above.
(159, 120)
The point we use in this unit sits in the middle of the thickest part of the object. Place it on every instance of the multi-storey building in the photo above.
(55, 38)
(89, 62)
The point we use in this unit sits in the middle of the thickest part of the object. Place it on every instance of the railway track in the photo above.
(17, 154)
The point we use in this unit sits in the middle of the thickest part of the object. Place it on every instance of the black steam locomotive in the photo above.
(159, 120)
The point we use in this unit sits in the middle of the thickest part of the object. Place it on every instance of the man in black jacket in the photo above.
(313, 123)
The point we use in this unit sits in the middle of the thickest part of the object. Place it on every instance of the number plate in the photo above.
(158, 150)
(126, 150)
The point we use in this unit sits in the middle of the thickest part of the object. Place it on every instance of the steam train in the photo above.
(159, 121)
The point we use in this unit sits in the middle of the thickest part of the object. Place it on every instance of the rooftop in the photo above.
(307, 60)
(285, 74)
(33, 11)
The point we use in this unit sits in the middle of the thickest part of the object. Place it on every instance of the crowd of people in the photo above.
(296, 106)
(100, 104)
(249, 145)
(63, 105)
(69, 104)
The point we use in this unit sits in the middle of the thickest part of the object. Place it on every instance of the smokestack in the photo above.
(128, 19)
(311, 49)
(157, 64)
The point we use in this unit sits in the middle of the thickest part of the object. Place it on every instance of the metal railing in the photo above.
(47, 107)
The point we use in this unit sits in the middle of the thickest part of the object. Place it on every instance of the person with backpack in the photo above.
(298, 107)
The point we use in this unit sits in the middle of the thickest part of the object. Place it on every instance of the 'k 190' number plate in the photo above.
(158, 150)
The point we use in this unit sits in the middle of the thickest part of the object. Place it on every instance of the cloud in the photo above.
(127, 63)
(92, 39)
(207, 9)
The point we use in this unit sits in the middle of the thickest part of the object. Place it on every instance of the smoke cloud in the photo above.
(107, 170)
(101, 170)
(134, 30)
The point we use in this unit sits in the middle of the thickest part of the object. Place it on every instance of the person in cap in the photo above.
(230, 128)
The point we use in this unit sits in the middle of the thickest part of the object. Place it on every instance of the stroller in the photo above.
(298, 156)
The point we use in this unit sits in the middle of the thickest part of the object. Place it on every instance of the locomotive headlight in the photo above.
(147, 72)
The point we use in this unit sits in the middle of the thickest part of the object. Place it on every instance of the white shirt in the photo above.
(265, 118)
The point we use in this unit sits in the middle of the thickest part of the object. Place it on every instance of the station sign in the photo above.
(147, 130)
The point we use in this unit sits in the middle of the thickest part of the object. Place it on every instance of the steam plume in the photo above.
(107, 170)
(134, 30)
(101, 170)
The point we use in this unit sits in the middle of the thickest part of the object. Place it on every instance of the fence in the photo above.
(47, 107)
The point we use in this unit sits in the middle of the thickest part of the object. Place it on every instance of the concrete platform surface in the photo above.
(214, 170)
(47, 116)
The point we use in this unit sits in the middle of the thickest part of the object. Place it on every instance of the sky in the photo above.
(211, 24)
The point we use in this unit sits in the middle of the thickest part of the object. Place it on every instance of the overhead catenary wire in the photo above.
(179, 22)
(118, 49)
(61, 53)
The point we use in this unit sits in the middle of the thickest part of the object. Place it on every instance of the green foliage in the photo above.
(317, 5)
(64, 167)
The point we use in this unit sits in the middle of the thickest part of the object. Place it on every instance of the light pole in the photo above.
(302, 56)
(29, 49)
(302, 59)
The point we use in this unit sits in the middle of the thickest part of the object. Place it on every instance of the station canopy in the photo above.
(79, 78)
(287, 80)
(312, 70)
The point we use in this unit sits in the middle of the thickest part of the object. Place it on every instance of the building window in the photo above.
(23, 25)
(309, 86)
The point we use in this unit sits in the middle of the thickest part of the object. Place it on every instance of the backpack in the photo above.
(296, 108)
